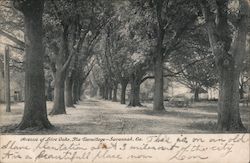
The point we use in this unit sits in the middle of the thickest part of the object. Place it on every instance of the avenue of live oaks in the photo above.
(124, 66)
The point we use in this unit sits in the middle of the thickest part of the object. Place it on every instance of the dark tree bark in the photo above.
(115, 93)
(59, 101)
(110, 93)
(229, 66)
(76, 91)
(101, 91)
(49, 92)
(135, 83)
(7, 78)
(80, 92)
(196, 94)
(62, 63)
(158, 83)
(35, 112)
(72, 76)
(106, 91)
(69, 91)
(124, 84)
(158, 62)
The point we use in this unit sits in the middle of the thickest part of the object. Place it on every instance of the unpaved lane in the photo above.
(93, 116)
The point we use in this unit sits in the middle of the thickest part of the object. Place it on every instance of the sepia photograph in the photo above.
(124, 67)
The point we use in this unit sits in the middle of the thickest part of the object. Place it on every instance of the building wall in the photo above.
(16, 85)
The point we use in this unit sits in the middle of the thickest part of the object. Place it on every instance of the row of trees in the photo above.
(59, 37)
(130, 42)
(175, 33)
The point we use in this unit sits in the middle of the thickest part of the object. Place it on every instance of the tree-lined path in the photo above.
(129, 52)
(95, 116)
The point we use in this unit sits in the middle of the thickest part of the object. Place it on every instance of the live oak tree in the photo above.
(90, 18)
(167, 22)
(230, 53)
(189, 61)
(57, 26)
(35, 113)
(78, 24)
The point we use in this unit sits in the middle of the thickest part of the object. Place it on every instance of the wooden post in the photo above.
(7, 78)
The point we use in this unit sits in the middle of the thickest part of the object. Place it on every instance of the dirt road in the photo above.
(94, 116)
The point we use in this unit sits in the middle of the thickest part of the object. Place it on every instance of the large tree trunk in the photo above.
(35, 112)
(7, 78)
(158, 83)
(158, 61)
(228, 110)
(69, 91)
(123, 91)
(62, 63)
(135, 91)
(229, 71)
(59, 102)
(229, 66)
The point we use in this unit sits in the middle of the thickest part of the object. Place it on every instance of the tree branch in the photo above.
(66, 64)
(12, 38)
(175, 73)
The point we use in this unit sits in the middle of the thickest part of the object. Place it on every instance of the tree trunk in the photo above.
(158, 82)
(106, 92)
(228, 111)
(35, 112)
(59, 102)
(110, 93)
(101, 91)
(158, 61)
(62, 63)
(49, 92)
(123, 92)
(69, 91)
(7, 78)
(229, 66)
(80, 92)
(135, 92)
(75, 91)
(241, 91)
(115, 93)
(229, 71)
(196, 94)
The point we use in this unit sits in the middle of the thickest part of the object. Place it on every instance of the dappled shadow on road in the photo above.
(178, 113)
(104, 117)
